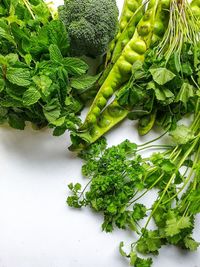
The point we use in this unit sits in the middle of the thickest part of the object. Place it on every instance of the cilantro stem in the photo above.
(155, 146)
(181, 189)
(173, 152)
(171, 179)
(154, 140)
(146, 191)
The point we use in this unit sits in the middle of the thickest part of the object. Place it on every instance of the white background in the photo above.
(37, 229)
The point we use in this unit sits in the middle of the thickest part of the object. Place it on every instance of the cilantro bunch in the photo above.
(120, 177)
(39, 81)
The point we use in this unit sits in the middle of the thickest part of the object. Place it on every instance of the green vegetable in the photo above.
(131, 14)
(120, 177)
(91, 25)
(121, 71)
(97, 122)
(162, 88)
(195, 8)
(38, 78)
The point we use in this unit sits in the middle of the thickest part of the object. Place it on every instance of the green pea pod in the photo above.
(146, 123)
(109, 117)
(128, 12)
(121, 71)
(121, 40)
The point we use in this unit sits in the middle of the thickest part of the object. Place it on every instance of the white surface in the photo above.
(37, 229)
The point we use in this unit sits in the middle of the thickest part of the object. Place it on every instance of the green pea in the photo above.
(103, 122)
(115, 111)
(124, 42)
(147, 15)
(144, 29)
(195, 11)
(195, 3)
(165, 3)
(129, 14)
(101, 102)
(124, 66)
(131, 31)
(131, 56)
(132, 5)
(107, 92)
(96, 111)
(123, 24)
(139, 46)
(94, 132)
(154, 39)
(159, 28)
(91, 119)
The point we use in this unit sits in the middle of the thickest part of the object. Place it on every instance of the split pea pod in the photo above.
(121, 71)
(114, 113)
(126, 32)
(128, 12)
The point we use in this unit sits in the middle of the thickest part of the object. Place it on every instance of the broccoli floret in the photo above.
(91, 25)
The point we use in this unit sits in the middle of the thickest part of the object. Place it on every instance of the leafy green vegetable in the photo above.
(162, 75)
(155, 79)
(36, 69)
(120, 177)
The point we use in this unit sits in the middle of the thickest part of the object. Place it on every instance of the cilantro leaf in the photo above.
(162, 75)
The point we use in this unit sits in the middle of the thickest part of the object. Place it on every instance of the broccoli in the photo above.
(91, 24)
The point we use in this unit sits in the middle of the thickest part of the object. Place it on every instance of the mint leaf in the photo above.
(75, 66)
(4, 34)
(84, 82)
(57, 35)
(31, 96)
(16, 121)
(18, 76)
(55, 53)
(11, 59)
(43, 83)
(2, 84)
(52, 110)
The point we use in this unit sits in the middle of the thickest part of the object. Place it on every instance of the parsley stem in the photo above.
(81, 194)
